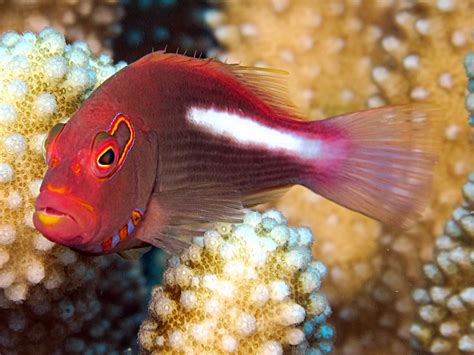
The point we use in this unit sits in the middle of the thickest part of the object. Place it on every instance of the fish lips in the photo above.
(63, 220)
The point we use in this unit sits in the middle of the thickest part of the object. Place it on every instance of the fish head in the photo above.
(95, 182)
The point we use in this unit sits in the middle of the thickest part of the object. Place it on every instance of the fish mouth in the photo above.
(62, 220)
(55, 213)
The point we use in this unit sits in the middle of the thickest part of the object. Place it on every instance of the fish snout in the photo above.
(63, 219)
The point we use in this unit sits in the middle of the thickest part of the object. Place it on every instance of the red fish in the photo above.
(170, 144)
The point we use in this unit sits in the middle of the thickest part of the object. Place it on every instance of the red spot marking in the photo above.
(54, 162)
(136, 217)
(123, 232)
(76, 168)
(107, 244)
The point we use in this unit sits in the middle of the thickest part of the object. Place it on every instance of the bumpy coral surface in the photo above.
(96, 21)
(42, 81)
(328, 48)
(413, 53)
(446, 306)
(249, 288)
(426, 56)
(445, 323)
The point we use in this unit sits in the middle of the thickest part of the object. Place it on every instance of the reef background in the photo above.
(342, 56)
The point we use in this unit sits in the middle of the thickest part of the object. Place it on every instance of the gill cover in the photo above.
(50, 140)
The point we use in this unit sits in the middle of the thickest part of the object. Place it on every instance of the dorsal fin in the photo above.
(270, 85)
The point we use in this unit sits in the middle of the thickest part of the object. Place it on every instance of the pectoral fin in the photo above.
(134, 254)
(174, 217)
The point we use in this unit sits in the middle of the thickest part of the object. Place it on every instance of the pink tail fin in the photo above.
(380, 161)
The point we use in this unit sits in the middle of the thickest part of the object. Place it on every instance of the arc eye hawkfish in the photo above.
(188, 141)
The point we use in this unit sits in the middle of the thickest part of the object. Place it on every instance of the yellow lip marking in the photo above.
(47, 218)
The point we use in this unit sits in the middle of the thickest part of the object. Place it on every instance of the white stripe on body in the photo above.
(245, 130)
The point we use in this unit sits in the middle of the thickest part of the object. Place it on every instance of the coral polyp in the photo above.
(249, 288)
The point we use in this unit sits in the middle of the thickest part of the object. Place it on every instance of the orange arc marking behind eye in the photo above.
(121, 118)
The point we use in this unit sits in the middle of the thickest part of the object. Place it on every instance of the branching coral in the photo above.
(425, 65)
(96, 21)
(446, 306)
(249, 288)
(47, 291)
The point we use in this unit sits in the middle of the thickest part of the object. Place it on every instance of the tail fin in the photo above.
(380, 161)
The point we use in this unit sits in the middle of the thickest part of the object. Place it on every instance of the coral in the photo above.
(176, 25)
(49, 295)
(328, 48)
(246, 288)
(425, 65)
(446, 305)
(412, 53)
(95, 21)
(99, 317)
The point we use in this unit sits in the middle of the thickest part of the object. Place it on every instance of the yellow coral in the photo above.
(424, 65)
(413, 52)
(95, 21)
(426, 56)
(249, 288)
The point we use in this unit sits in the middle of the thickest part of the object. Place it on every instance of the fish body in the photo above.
(170, 144)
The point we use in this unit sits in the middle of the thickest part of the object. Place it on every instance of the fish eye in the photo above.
(104, 155)
(107, 158)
